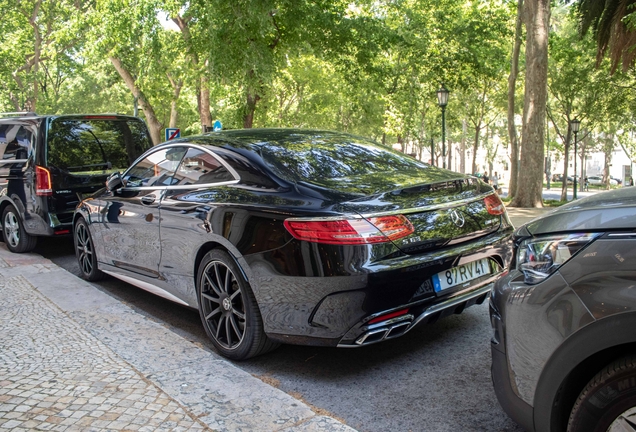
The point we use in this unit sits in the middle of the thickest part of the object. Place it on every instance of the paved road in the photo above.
(436, 378)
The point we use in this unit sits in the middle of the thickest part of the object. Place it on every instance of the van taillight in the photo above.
(42, 182)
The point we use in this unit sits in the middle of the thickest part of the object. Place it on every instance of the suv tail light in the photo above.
(494, 205)
(42, 182)
(350, 231)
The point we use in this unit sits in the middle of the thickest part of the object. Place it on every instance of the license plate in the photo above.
(461, 274)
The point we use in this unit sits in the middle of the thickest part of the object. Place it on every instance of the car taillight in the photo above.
(42, 182)
(494, 205)
(350, 231)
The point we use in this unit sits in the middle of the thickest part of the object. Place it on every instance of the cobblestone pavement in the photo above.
(56, 376)
(74, 359)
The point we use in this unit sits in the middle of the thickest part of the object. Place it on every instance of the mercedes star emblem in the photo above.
(457, 218)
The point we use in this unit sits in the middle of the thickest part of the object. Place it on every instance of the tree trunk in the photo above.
(512, 81)
(154, 125)
(250, 109)
(608, 149)
(176, 91)
(202, 87)
(462, 148)
(537, 17)
(204, 108)
(475, 147)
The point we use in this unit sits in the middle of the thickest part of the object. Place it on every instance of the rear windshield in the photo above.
(328, 158)
(89, 145)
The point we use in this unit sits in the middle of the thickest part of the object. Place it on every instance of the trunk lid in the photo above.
(444, 212)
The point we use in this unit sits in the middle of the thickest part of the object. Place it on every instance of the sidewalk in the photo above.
(73, 358)
(520, 216)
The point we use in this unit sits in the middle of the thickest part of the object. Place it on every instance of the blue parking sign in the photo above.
(172, 133)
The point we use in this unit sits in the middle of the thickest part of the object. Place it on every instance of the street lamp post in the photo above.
(576, 123)
(442, 101)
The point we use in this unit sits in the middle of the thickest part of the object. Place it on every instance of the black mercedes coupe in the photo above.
(296, 236)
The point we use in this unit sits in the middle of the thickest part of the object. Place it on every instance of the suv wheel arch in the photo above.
(574, 363)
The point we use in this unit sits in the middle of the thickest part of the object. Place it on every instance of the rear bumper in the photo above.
(418, 314)
(335, 310)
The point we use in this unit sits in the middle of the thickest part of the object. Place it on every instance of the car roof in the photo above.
(255, 139)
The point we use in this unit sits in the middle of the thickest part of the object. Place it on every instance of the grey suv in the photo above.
(48, 163)
(564, 319)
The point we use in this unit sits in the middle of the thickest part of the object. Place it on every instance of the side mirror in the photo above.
(114, 182)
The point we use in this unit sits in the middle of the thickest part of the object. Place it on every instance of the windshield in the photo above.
(100, 144)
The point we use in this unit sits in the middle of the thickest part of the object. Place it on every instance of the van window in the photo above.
(15, 141)
(105, 145)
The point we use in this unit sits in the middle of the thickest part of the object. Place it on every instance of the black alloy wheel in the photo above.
(85, 252)
(608, 402)
(15, 236)
(228, 309)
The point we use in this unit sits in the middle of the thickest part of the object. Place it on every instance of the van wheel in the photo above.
(85, 252)
(228, 308)
(15, 236)
(608, 402)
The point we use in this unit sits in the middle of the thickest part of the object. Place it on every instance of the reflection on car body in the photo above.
(292, 236)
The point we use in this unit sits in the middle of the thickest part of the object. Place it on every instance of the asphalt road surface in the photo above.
(435, 378)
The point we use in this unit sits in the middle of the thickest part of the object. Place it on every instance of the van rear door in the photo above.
(82, 151)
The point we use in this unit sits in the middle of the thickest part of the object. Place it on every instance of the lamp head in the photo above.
(442, 96)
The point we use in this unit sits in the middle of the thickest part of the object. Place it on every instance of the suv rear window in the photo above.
(85, 145)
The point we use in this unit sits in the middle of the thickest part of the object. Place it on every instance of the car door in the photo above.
(186, 209)
(130, 216)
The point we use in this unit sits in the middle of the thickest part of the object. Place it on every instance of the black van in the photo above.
(48, 163)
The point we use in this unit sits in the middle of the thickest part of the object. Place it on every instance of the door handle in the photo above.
(148, 199)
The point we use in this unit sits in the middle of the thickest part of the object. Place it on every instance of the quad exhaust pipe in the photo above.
(400, 325)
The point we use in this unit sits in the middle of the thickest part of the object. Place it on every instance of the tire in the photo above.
(15, 236)
(608, 402)
(228, 308)
(85, 252)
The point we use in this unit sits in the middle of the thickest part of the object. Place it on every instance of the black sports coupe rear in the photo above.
(296, 236)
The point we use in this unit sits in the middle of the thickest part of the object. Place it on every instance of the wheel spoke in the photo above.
(235, 326)
(228, 280)
(228, 332)
(214, 287)
(218, 327)
(87, 265)
(239, 314)
(218, 278)
(214, 312)
(234, 294)
(626, 422)
(210, 298)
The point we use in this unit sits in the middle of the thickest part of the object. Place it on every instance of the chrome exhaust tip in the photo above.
(384, 332)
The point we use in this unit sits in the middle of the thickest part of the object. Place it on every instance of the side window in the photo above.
(157, 169)
(199, 167)
(15, 141)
